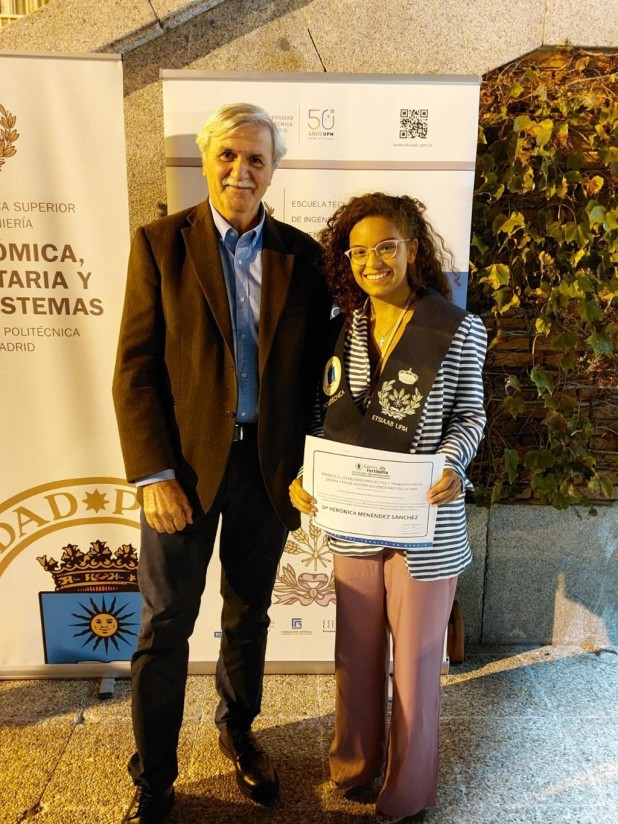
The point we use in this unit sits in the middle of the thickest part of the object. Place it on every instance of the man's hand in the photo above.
(166, 507)
(447, 489)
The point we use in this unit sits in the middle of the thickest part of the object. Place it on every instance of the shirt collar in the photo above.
(224, 228)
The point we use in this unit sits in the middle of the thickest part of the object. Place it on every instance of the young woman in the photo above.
(385, 270)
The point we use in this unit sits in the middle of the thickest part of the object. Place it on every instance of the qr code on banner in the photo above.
(413, 123)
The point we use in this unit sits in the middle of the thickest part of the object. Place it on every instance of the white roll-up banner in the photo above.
(346, 135)
(69, 532)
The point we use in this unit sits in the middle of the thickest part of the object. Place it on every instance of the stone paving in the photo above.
(529, 735)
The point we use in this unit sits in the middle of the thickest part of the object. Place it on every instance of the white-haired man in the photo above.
(220, 342)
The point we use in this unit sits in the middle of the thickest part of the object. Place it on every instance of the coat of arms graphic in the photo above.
(94, 613)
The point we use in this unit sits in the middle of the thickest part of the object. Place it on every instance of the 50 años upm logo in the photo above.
(89, 525)
(321, 124)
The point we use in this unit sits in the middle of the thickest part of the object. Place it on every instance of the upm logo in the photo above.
(297, 623)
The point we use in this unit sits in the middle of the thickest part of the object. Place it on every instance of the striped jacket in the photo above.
(451, 424)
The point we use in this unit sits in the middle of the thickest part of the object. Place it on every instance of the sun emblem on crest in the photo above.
(104, 623)
(397, 403)
(8, 135)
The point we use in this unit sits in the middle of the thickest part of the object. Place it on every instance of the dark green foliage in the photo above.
(544, 274)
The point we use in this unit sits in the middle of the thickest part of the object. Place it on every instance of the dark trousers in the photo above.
(172, 575)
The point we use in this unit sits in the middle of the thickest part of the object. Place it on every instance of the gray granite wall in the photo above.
(540, 576)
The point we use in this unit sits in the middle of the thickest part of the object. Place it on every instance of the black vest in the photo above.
(398, 397)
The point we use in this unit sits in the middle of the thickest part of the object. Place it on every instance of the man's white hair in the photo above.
(232, 117)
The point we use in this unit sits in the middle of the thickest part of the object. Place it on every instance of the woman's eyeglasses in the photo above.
(385, 250)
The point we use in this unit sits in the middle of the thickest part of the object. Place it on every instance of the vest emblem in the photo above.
(397, 403)
(332, 376)
(407, 376)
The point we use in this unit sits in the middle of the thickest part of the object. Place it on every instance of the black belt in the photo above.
(242, 431)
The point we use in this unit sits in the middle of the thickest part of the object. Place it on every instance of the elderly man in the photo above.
(220, 341)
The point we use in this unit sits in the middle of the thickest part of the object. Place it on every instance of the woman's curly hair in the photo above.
(407, 213)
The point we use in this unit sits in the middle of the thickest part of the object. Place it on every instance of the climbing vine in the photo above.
(544, 274)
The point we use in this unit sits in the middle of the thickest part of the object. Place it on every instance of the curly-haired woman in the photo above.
(385, 268)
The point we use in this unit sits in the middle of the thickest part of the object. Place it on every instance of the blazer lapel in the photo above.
(202, 243)
(277, 265)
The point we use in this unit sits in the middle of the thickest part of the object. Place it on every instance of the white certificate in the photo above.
(372, 496)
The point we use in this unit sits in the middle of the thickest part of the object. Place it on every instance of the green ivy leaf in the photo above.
(600, 344)
(513, 406)
(576, 257)
(611, 220)
(498, 274)
(497, 222)
(522, 123)
(555, 421)
(542, 131)
(594, 185)
(515, 90)
(542, 325)
(609, 155)
(590, 310)
(607, 488)
(555, 229)
(497, 492)
(596, 216)
(506, 299)
(585, 284)
(571, 290)
(485, 162)
(542, 380)
(573, 177)
(478, 243)
(514, 222)
(584, 235)
(511, 464)
(561, 501)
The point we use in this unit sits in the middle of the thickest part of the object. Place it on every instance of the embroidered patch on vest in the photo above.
(407, 376)
(398, 403)
(332, 376)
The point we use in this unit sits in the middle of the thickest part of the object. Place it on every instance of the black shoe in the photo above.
(149, 808)
(255, 773)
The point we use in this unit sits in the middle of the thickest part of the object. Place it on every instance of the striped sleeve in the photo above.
(454, 416)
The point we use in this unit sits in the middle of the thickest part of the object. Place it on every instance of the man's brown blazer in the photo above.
(175, 389)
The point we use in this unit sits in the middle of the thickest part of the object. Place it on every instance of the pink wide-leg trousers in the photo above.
(375, 596)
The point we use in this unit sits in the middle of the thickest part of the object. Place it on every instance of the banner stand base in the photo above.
(106, 688)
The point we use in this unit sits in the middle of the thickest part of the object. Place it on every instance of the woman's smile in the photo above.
(382, 279)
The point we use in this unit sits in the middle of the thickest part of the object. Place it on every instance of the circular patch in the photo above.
(332, 376)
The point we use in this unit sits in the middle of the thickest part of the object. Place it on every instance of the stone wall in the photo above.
(541, 576)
